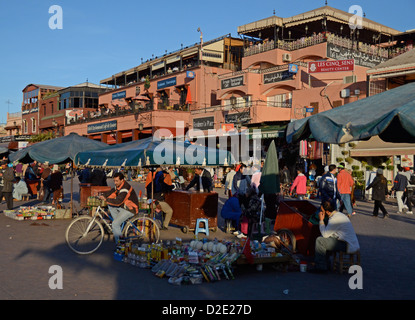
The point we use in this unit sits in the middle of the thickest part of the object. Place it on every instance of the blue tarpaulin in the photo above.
(58, 150)
(151, 151)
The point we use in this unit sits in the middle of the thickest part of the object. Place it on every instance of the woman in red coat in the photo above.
(300, 184)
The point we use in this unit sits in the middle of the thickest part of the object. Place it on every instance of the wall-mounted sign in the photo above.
(330, 66)
(233, 82)
(237, 117)
(293, 68)
(103, 126)
(277, 76)
(360, 58)
(204, 123)
(166, 83)
(190, 74)
(119, 95)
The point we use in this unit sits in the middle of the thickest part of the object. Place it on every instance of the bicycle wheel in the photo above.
(84, 236)
(142, 228)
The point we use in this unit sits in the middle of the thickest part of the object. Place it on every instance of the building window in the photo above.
(238, 102)
(33, 125)
(283, 100)
(24, 126)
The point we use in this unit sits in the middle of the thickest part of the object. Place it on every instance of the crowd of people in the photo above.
(14, 179)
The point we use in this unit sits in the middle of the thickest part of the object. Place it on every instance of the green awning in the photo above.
(268, 131)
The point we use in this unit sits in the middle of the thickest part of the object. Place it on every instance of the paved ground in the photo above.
(29, 248)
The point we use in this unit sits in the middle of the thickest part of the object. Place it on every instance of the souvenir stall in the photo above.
(199, 261)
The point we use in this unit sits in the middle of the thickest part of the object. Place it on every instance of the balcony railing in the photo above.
(175, 105)
(320, 38)
(107, 113)
(243, 105)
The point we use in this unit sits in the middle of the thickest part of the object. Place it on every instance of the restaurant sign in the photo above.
(277, 76)
(360, 58)
(233, 82)
(240, 117)
(119, 95)
(103, 126)
(204, 123)
(166, 83)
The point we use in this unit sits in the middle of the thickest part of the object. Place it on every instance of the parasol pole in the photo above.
(72, 188)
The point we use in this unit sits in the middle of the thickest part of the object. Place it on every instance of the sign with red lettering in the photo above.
(331, 66)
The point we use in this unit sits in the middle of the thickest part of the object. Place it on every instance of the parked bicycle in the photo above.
(85, 234)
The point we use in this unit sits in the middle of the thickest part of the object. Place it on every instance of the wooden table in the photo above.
(188, 206)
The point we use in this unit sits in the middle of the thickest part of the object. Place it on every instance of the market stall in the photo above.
(37, 213)
(200, 261)
(188, 206)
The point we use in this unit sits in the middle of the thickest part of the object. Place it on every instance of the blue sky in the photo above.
(101, 38)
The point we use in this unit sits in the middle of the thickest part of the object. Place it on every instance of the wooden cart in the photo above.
(293, 225)
(188, 206)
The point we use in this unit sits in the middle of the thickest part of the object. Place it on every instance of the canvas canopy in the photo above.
(150, 151)
(58, 150)
(390, 115)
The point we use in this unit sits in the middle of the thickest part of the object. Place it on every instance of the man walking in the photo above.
(328, 186)
(345, 183)
(400, 184)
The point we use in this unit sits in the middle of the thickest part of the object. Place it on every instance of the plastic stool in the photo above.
(199, 229)
(344, 260)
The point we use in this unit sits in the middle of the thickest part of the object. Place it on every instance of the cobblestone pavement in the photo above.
(29, 248)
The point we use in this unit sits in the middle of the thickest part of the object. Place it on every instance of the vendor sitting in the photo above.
(232, 210)
(337, 235)
(19, 189)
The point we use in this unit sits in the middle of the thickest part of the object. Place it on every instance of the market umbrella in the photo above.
(57, 151)
(141, 98)
(188, 96)
(390, 115)
(153, 152)
(270, 176)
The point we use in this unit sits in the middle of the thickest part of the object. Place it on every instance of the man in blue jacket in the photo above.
(328, 187)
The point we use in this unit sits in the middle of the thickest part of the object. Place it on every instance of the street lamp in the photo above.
(140, 126)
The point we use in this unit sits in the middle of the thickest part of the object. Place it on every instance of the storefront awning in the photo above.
(268, 132)
(375, 147)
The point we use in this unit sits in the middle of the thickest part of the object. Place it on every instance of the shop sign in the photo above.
(233, 82)
(204, 123)
(360, 58)
(293, 68)
(228, 127)
(330, 66)
(119, 95)
(277, 76)
(103, 126)
(190, 74)
(237, 117)
(166, 83)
